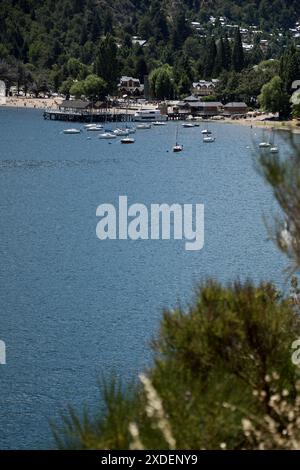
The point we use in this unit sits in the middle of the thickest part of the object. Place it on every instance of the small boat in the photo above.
(121, 132)
(131, 130)
(127, 140)
(188, 124)
(159, 123)
(93, 127)
(206, 132)
(273, 146)
(208, 140)
(107, 135)
(71, 131)
(264, 144)
(177, 148)
(143, 126)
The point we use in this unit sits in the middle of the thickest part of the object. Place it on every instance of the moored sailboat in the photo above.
(177, 147)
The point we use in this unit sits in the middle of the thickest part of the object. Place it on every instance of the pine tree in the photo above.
(237, 52)
(220, 58)
(227, 53)
(210, 58)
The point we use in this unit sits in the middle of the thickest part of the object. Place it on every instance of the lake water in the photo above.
(72, 306)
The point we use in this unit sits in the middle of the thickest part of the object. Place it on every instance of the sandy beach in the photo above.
(293, 125)
(38, 103)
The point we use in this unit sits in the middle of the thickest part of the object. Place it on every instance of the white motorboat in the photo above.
(143, 126)
(274, 149)
(127, 140)
(188, 124)
(208, 140)
(107, 135)
(264, 145)
(206, 132)
(92, 124)
(131, 130)
(94, 128)
(71, 131)
(159, 123)
(149, 115)
(121, 132)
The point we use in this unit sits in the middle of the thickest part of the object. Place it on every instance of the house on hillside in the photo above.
(204, 87)
(139, 41)
(235, 109)
(131, 86)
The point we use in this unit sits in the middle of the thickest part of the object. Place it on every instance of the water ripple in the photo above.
(32, 164)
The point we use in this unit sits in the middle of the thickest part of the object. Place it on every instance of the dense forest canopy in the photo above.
(50, 44)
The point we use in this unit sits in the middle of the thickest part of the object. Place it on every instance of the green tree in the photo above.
(227, 53)
(66, 86)
(210, 58)
(106, 64)
(221, 59)
(77, 89)
(95, 87)
(273, 98)
(162, 82)
(237, 52)
(224, 348)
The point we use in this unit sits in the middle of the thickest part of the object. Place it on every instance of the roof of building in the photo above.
(295, 84)
(191, 98)
(78, 104)
(141, 42)
(210, 104)
(195, 104)
(126, 79)
(235, 105)
(203, 83)
(182, 104)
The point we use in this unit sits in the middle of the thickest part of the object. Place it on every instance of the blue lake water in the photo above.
(72, 306)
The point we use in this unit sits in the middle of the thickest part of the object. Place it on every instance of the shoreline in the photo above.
(292, 126)
(53, 103)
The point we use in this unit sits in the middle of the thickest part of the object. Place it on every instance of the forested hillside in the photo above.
(50, 44)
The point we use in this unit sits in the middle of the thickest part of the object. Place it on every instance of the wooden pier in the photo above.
(100, 116)
(86, 116)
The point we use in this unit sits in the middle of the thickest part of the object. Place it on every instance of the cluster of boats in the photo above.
(118, 132)
(206, 134)
(145, 119)
(107, 133)
(270, 145)
(267, 145)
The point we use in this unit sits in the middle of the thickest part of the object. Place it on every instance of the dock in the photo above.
(86, 116)
(100, 116)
